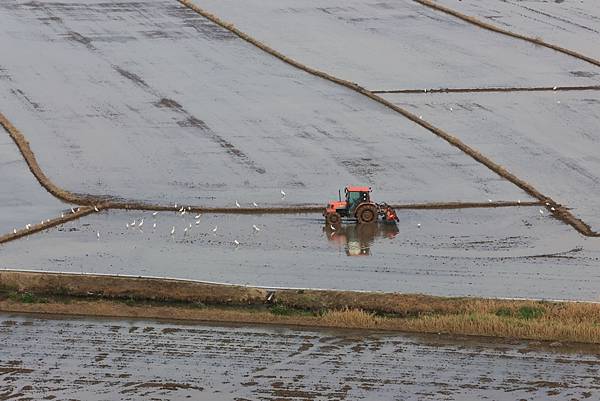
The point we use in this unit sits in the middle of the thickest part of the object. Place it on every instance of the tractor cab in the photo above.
(355, 196)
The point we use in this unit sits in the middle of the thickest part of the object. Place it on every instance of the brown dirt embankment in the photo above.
(98, 295)
(564, 214)
(537, 41)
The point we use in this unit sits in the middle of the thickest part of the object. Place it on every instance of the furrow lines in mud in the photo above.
(493, 89)
(536, 41)
(559, 211)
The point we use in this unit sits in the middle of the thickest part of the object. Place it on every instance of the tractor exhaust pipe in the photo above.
(340, 194)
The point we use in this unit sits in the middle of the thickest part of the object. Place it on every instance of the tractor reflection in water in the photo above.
(358, 238)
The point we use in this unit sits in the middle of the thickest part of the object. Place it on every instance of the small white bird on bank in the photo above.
(553, 209)
(236, 242)
(133, 224)
(173, 230)
(255, 228)
(197, 222)
(183, 212)
(62, 215)
(127, 225)
(541, 212)
(554, 88)
(154, 214)
(197, 216)
(418, 225)
(154, 225)
(254, 204)
(14, 230)
(72, 210)
(237, 204)
(98, 234)
(214, 230)
(28, 226)
(282, 194)
(96, 209)
(141, 223)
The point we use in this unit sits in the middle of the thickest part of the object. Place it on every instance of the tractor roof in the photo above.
(350, 188)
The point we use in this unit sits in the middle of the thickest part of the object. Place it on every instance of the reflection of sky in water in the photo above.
(356, 239)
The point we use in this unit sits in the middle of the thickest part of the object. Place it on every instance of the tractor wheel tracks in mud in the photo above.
(561, 212)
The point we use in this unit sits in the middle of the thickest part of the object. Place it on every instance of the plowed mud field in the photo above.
(547, 138)
(401, 44)
(152, 102)
(85, 359)
(502, 252)
(572, 24)
(22, 200)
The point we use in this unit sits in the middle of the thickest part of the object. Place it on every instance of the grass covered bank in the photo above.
(98, 295)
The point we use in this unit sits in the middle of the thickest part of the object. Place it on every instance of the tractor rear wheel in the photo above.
(366, 213)
(333, 218)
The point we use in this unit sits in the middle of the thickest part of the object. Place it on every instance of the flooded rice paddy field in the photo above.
(549, 139)
(102, 359)
(399, 44)
(571, 24)
(150, 101)
(22, 200)
(502, 252)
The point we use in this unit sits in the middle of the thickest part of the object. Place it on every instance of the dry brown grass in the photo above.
(98, 295)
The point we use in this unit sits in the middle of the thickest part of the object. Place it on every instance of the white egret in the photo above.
(96, 209)
(237, 204)
(254, 204)
(236, 242)
(255, 228)
(154, 214)
(173, 230)
(214, 230)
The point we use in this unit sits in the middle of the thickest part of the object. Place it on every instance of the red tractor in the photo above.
(358, 205)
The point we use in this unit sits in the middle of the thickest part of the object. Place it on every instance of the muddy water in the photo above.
(398, 44)
(504, 252)
(549, 139)
(22, 200)
(152, 102)
(571, 24)
(103, 359)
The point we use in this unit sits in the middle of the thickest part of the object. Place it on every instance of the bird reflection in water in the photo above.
(358, 238)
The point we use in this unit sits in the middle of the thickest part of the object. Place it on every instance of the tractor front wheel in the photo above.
(366, 214)
(333, 218)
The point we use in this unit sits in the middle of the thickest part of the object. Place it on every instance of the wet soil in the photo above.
(574, 25)
(399, 44)
(504, 252)
(555, 148)
(196, 131)
(22, 200)
(95, 359)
